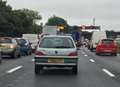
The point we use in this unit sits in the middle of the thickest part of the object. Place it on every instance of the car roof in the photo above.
(18, 38)
(107, 39)
(6, 38)
(57, 36)
(22, 38)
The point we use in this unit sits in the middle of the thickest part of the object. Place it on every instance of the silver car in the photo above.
(56, 51)
(9, 47)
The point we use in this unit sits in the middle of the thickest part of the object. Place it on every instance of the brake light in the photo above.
(73, 54)
(115, 43)
(11, 46)
(38, 53)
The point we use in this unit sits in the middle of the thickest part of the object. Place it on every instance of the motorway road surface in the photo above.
(94, 71)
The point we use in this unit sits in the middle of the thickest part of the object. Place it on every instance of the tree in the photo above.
(58, 21)
(28, 20)
(5, 14)
(17, 22)
(55, 21)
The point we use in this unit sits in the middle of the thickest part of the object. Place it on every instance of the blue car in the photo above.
(25, 46)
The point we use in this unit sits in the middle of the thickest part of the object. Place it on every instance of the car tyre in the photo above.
(75, 70)
(38, 69)
(14, 55)
(19, 55)
(97, 53)
(91, 49)
(0, 61)
(115, 54)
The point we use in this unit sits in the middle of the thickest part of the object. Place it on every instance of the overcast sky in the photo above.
(76, 12)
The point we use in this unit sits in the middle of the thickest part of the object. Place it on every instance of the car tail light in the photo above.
(38, 53)
(11, 46)
(73, 54)
(115, 43)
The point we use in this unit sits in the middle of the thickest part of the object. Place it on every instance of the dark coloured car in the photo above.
(25, 46)
(106, 46)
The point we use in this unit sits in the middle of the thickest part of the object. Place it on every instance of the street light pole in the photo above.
(94, 21)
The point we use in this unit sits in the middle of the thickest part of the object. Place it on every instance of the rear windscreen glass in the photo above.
(56, 42)
(5, 40)
(106, 41)
(21, 41)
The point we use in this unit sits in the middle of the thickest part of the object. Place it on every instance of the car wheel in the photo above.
(115, 54)
(0, 60)
(97, 53)
(75, 70)
(30, 53)
(38, 69)
(19, 55)
(14, 55)
(27, 53)
(91, 49)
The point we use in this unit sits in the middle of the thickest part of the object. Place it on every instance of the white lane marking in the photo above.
(33, 60)
(108, 72)
(14, 69)
(85, 55)
(91, 60)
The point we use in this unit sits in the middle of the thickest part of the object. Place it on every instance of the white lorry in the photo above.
(50, 30)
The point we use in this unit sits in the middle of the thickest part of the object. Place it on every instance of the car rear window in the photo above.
(21, 41)
(5, 40)
(107, 41)
(56, 42)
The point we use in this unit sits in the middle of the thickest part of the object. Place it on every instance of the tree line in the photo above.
(16, 22)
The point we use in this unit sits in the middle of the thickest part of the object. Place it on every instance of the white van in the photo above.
(96, 36)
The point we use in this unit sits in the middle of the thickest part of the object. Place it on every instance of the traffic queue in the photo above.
(14, 47)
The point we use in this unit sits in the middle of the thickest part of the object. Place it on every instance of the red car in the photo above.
(106, 46)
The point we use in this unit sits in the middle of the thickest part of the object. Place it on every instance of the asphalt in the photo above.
(92, 72)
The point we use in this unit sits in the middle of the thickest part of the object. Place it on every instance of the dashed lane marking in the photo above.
(85, 55)
(91, 60)
(14, 69)
(108, 72)
(83, 52)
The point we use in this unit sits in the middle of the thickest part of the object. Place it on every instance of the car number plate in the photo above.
(55, 60)
(107, 50)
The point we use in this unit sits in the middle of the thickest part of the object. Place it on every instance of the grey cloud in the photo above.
(106, 12)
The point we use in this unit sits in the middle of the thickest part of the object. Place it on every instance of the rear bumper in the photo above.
(67, 62)
(106, 51)
(8, 52)
(56, 64)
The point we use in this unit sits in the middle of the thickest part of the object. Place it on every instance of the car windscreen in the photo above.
(107, 41)
(5, 40)
(56, 42)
